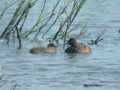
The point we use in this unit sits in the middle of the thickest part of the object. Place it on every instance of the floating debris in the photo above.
(92, 85)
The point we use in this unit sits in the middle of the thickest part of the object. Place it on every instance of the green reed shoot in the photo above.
(50, 17)
(69, 20)
(6, 8)
(19, 16)
(12, 22)
(38, 21)
(14, 87)
(82, 32)
(57, 17)
(77, 10)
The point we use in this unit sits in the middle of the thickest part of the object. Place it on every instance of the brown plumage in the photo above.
(77, 48)
(51, 48)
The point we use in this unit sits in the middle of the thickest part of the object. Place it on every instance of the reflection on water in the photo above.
(60, 71)
(97, 71)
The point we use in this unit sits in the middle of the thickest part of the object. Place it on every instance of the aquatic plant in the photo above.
(49, 18)
(98, 38)
(7, 6)
(76, 8)
(14, 87)
(77, 5)
(61, 12)
(83, 31)
(2, 82)
(14, 30)
(37, 23)
(2, 73)
(17, 22)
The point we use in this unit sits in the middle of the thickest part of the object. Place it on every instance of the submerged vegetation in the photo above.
(3, 81)
(45, 22)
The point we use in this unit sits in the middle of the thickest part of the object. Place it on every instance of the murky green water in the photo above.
(99, 70)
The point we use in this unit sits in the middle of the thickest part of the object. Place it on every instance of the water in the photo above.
(99, 70)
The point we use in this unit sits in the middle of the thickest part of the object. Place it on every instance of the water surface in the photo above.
(99, 70)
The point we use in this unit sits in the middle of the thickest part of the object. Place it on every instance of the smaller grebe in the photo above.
(51, 49)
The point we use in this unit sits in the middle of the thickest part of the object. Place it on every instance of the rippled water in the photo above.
(97, 71)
